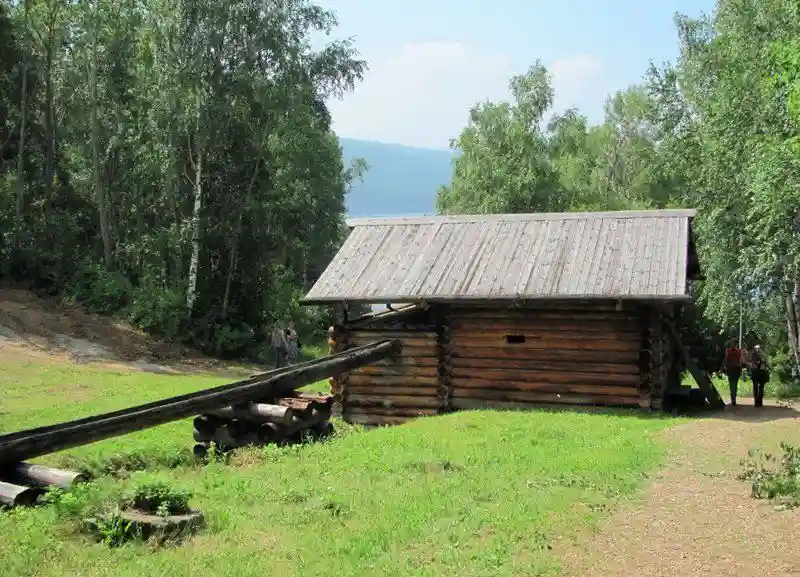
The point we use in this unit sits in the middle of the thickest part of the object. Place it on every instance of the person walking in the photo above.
(292, 345)
(759, 373)
(279, 347)
(732, 365)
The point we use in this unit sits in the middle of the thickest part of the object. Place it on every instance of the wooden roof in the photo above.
(609, 255)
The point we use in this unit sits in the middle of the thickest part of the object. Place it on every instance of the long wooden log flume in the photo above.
(228, 399)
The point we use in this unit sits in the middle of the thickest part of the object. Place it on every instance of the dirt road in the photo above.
(696, 519)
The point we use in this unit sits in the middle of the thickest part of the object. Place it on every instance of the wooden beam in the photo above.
(33, 443)
(700, 376)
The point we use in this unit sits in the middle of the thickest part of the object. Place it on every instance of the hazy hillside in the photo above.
(401, 180)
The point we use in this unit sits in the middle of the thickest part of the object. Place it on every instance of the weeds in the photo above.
(772, 478)
(158, 498)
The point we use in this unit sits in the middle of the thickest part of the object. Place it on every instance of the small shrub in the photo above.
(159, 498)
(112, 529)
(98, 289)
(774, 479)
(159, 310)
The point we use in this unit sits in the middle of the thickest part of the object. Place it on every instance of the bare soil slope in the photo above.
(45, 329)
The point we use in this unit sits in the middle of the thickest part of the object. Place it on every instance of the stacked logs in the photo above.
(280, 421)
(25, 483)
(337, 342)
(571, 354)
(394, 390)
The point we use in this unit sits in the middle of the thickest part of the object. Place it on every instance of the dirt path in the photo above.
(697, 519)
(46, 330)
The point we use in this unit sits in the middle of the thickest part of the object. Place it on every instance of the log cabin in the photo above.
(511, 311)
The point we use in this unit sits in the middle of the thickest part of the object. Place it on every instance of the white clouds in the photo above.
(421, 95)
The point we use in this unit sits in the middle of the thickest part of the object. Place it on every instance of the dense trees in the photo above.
(172, 160)
(716, 130)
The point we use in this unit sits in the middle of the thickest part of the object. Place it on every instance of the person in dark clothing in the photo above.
(759, 373)
(732, 365)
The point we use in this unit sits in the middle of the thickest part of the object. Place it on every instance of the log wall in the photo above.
(467, 357)
(395, 390)
(553, 354)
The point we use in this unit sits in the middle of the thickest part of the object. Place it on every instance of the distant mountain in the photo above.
(401, 181)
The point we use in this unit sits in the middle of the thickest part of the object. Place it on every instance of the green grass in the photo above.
(470, 494)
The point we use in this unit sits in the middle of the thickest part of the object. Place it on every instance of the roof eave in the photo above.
(338, 300)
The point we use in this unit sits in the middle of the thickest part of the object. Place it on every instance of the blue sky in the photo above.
(431, 60)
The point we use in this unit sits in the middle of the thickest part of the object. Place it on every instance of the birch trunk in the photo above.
(98, 182)
(21, 146)
(191, 293)
(234, 254)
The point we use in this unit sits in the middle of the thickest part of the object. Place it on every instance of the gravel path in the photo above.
(696, 519)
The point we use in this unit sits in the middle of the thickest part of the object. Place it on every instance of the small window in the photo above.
(515, 339)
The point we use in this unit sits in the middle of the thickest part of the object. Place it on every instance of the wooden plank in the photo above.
(531, 400)
(401, 362)
(533, 354)
(394, 371)
(534, 326)
(471, 364)
(700, 376)
(545, 314)
(405, 380)
(481, 404)
(548, 304)
(380, 334)
(571, 343)
(399, 401)
(534, 376)
(418, 352)
(476, 387)
(407, 342)
(408, 390)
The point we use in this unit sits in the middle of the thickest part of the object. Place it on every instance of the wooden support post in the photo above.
(657, 358)
(700, 376)
(445, 363)
(645, 359)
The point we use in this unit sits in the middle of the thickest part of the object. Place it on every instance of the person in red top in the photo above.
(732, 365)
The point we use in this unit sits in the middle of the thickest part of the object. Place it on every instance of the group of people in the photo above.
(285, 345)
(738, 359)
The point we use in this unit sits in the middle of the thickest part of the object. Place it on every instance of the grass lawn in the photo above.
(469, 494)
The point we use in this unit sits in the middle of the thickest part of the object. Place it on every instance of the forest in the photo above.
(173, 162)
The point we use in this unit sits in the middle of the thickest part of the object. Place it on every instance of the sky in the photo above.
(431, 60)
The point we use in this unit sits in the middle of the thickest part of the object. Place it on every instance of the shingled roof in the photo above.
(620, 255)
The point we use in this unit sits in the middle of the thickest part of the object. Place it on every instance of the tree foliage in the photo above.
(716, 130)
(173, 160)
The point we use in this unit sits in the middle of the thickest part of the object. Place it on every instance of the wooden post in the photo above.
(645, 359)
(444, 366)
(657, 358)
(700, 376)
